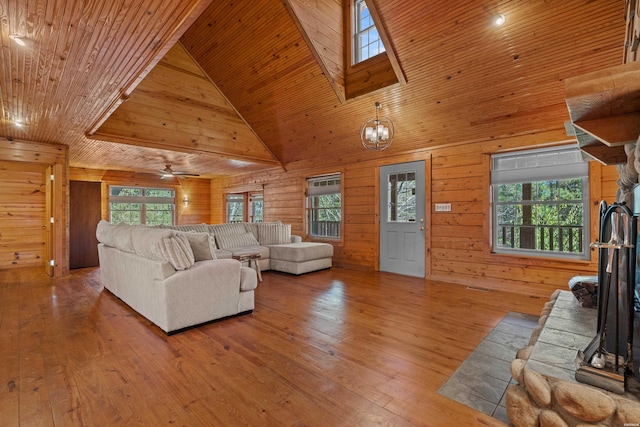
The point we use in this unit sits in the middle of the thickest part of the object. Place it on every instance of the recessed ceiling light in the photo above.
(18, 39)
(498, 20)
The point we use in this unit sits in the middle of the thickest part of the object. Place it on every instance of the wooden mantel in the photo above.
(605, 111)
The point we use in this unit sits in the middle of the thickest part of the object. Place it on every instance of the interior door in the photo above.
(84, 215)
(402, 218)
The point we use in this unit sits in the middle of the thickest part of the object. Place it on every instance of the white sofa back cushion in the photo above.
(230, 241)
(153, 243)
(227, 228)
(274, 234)
(115, 235)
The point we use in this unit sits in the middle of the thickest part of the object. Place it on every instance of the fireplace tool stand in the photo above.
(608, 359)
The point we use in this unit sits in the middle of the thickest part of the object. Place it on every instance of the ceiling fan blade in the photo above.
(186, 174)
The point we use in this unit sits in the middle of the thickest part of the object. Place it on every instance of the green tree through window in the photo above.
(137, 205)
(540, 202)
(324, 206)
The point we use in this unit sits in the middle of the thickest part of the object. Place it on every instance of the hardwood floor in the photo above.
(332, 348)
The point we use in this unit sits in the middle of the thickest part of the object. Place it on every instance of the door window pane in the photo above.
(401, 196)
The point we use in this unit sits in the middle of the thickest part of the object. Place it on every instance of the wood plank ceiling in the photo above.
(266, 98)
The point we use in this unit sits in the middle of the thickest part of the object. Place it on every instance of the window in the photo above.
(136, 205)
(235, 207)
(324, 206)
(255, 207)
(540, 203)
(401, 197)
(366, 39)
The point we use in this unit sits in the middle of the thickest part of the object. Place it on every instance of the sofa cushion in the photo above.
(198, 228)
(253, 228)
(223, 254)
(163, 245)
(226, 241)
(227, 228)
(115, 235)
(202, 244)
(274, 234)
(145, 240)
(176, 251)
(300, 252)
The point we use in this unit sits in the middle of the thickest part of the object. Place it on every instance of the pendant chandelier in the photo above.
(376, 134)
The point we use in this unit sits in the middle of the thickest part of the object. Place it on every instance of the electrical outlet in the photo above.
(443, 207)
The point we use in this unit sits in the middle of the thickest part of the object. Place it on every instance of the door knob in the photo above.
(421, 228)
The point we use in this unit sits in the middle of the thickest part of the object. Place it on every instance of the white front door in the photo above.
(402, 223)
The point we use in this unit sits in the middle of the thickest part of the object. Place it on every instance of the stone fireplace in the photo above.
(604, 107)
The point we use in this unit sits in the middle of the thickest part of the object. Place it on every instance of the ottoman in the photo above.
(300, 258)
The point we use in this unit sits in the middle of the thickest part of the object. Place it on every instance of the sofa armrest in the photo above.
(296, 239)
(208, 290)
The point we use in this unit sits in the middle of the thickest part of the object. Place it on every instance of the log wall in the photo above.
(457, 243)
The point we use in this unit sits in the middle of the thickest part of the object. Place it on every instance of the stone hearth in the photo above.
(547, 392)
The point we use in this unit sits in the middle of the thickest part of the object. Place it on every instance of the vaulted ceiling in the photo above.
(219, 87)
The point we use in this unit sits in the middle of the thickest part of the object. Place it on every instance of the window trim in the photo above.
(573, 169)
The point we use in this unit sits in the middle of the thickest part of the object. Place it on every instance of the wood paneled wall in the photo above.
(457, 243)
(29, 199)
(22, 214)
(197, 190)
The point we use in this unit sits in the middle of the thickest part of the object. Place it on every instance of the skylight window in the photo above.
(367, 41)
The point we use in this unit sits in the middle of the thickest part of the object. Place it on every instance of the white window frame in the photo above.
(358, 55)
(540, 165)
(255, 200)
(320, 186)
(235, 198)
(143, 200)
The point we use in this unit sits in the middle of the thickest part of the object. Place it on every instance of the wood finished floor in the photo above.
(332, 348)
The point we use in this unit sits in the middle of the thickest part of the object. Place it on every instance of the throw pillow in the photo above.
(230, 241)
(274, 234)
(176, 251)
(202, 245)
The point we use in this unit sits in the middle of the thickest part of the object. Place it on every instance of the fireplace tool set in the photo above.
(608, 359)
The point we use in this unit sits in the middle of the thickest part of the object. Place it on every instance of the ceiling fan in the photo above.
(167, 172)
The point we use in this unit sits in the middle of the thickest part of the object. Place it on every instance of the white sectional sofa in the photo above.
(279, 249)
(173, 279)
